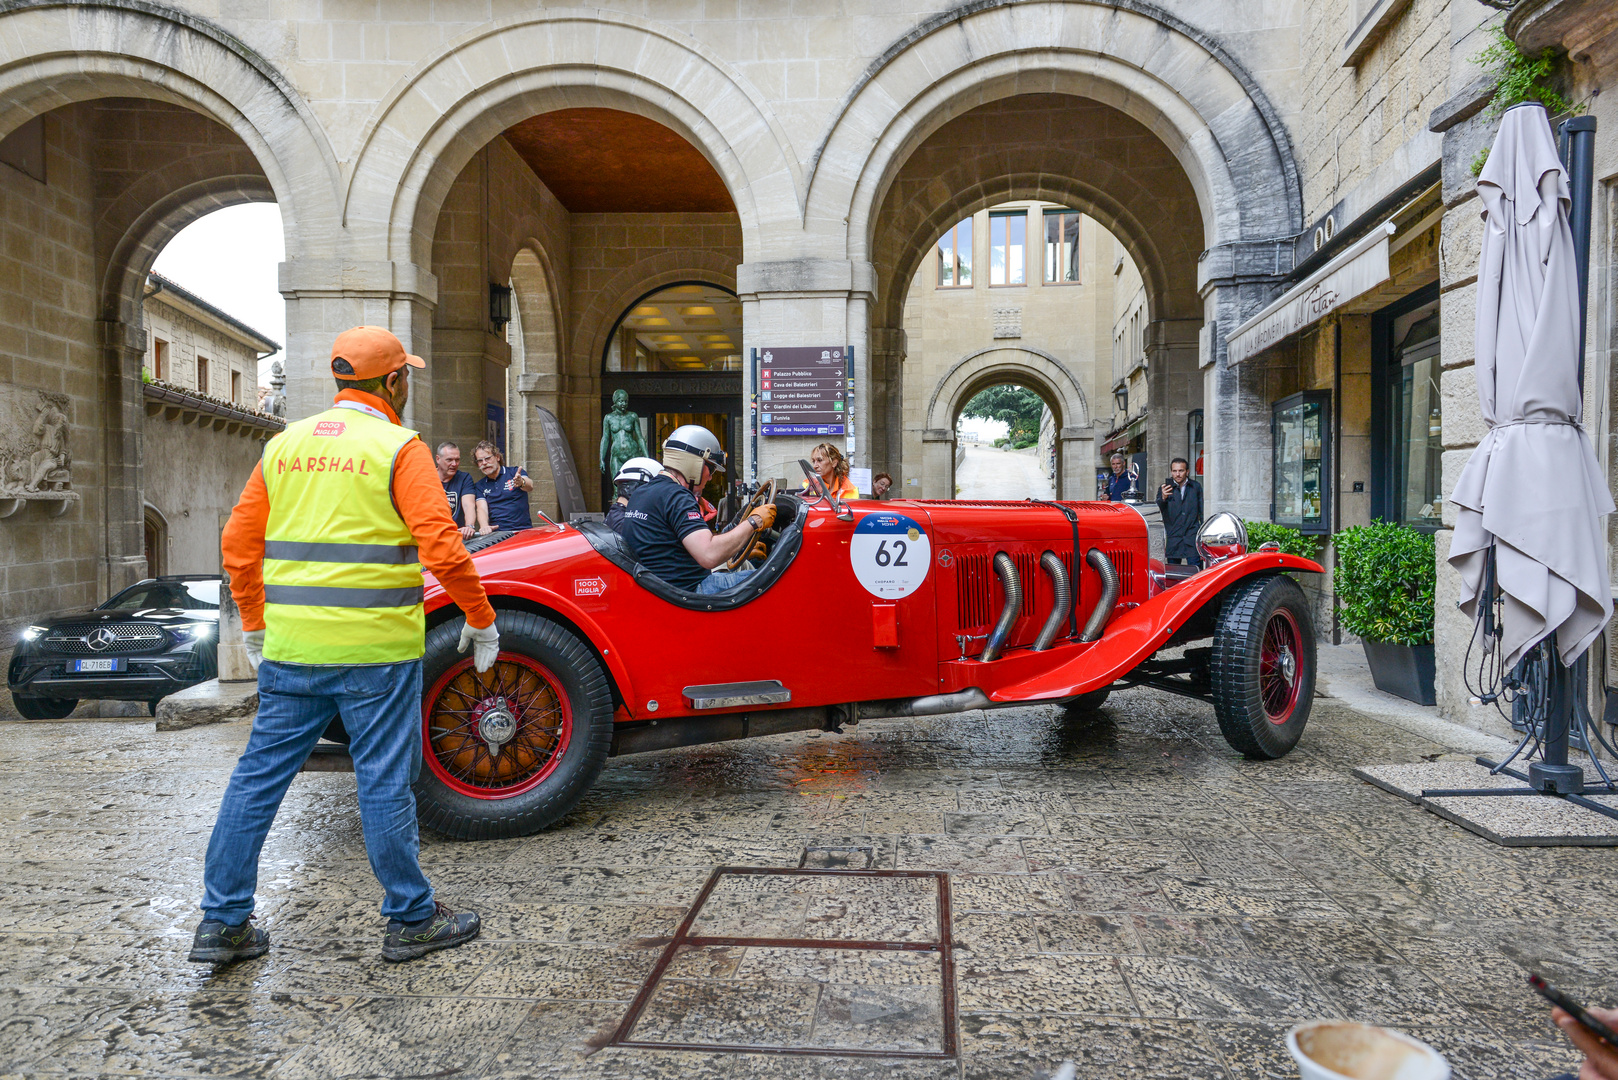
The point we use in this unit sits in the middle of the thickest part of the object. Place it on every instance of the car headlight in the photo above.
(1221, 537)
(198, 631)
(31, 632)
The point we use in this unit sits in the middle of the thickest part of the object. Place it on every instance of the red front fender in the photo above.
(1136, 634)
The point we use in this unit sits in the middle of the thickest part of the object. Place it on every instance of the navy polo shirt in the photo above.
(456, 486)
(659, 516)
(508, 503)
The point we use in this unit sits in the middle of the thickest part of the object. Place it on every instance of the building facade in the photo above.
(556, 204)
(1016, 293)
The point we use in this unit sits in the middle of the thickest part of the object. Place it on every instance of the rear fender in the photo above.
(1135, 635)
(594, 635)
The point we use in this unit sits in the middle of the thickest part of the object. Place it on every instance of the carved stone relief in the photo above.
(35, 461)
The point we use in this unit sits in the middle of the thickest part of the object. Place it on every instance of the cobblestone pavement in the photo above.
(1127, 893)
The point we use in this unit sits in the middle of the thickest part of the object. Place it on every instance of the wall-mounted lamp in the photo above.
(1120, 397)
(499, 306)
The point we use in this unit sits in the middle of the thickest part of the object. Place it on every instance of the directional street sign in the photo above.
(804, 391)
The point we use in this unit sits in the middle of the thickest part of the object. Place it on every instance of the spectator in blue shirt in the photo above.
(501, 492)
(457, 489)
(1119, 482)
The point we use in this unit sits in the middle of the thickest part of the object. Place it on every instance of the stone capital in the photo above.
(328, 278)
(1244, 262)
(942, 434)
(805, 277)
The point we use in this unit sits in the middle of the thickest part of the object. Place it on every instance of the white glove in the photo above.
(253, 642)
(485, 642)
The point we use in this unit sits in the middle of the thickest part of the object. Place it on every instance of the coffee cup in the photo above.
(1344, 1050)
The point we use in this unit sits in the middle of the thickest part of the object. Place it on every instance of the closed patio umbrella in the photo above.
(1532, 489)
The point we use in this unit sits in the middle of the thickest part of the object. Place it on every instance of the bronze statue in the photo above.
(621, 437)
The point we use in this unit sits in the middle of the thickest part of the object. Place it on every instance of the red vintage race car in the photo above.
(860, 610)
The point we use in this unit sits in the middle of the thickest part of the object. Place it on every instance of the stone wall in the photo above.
(194, 475)
(48, 343)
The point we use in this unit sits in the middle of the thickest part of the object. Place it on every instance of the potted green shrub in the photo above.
(1384, 580)
(1290, 541)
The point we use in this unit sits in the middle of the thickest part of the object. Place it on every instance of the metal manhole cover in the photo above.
(805, 961)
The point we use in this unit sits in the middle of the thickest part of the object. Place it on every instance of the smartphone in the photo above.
(1575, 1010)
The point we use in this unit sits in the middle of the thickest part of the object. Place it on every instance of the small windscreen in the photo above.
(184, 595)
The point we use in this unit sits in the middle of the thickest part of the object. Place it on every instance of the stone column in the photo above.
(327, 296)
(124, 512)
(1236, 280)
(938, 463)
(1076, 448)
(1173, 390)
(803, 302)
(1466, 129)
(888, 351)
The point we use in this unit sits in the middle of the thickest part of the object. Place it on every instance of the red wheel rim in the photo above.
(517, 705)
(1280, 667)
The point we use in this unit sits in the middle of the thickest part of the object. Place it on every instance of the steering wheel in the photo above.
(763, 497)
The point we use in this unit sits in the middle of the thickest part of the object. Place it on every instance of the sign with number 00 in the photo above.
(890, 554)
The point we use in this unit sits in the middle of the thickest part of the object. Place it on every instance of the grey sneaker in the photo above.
(216, 943)
(443, 929)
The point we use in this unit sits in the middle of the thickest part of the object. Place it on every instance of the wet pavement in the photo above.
(1119, 889)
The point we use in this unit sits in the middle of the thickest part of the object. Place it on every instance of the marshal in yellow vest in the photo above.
(342, 581)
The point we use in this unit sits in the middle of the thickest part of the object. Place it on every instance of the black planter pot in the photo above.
(1402, 670)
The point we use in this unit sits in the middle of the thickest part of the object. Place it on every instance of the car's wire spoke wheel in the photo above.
(1263, 666)
(497, 733)
(509, 751)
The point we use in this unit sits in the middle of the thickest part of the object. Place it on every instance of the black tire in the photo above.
(1086, 703)
(1262, 699)
(44, 708)
(151, 706)
(540, 783)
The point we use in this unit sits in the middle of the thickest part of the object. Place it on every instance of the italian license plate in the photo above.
(108, 664)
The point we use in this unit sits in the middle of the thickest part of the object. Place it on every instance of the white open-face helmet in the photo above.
(689, 448)
(638, 470)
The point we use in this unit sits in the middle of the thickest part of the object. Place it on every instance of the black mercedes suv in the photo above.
(157, 636)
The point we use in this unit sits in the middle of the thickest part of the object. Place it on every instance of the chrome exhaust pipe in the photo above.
(1007, 570)
(1052, 565)
(1108, 599)
(931, 705)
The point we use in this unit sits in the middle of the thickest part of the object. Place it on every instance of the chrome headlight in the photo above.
(31, 632)
(1221, 537)
(197, 631)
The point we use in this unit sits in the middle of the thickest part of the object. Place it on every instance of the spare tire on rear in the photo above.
(512, 750)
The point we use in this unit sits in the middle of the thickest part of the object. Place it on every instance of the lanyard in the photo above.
(360, 406)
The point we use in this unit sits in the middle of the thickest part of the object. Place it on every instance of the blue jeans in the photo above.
(720, 580)
(381, 708)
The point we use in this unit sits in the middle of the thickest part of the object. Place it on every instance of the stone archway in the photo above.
(56, 62)
(1212, 125)
(1039, 371)
(439, 116)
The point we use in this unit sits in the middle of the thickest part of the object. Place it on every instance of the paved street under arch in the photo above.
(1127, 893)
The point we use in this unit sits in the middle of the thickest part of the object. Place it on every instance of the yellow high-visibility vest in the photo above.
(342, 581)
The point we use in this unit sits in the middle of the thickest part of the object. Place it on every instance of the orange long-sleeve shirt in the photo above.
(418, 494)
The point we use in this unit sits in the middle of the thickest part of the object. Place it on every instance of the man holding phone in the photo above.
(1600, 1059)
(1180, 502)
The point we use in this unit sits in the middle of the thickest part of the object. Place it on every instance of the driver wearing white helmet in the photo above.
(636, 471)
(663, 525)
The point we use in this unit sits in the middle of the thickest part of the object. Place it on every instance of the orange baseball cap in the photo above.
(370, 351)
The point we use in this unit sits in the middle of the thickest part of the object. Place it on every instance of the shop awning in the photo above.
(1125, 436)
(1360, 268)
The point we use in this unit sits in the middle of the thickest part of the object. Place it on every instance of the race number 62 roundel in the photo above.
(891, 554)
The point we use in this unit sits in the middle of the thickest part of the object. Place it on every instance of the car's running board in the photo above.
(737, 695)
